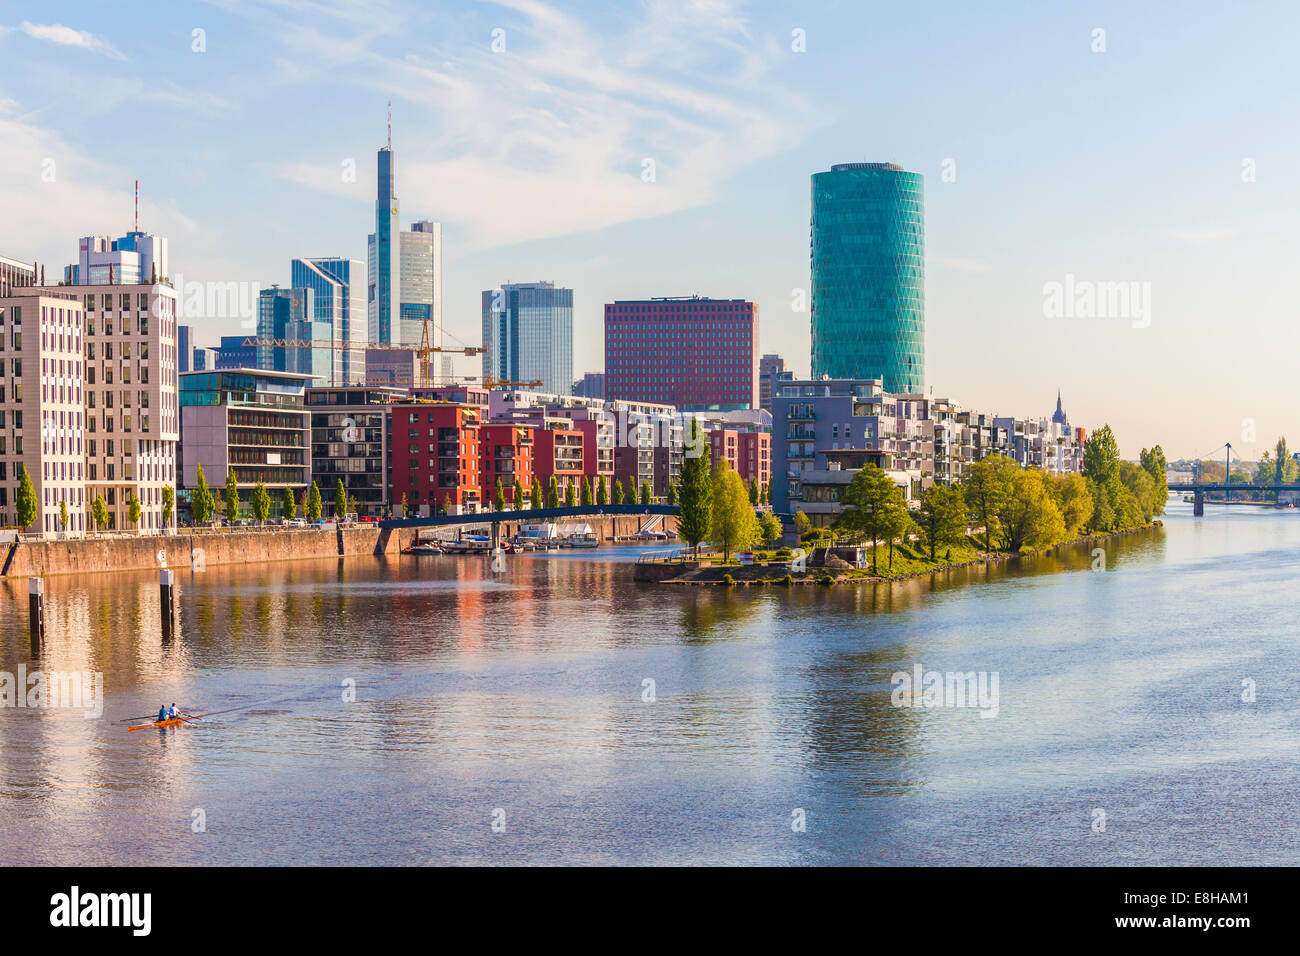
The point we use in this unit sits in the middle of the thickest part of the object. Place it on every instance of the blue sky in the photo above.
(1122, 165)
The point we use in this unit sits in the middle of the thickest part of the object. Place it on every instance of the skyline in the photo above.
(1060, 174)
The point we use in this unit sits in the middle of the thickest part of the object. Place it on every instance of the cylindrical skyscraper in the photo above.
(868, 275)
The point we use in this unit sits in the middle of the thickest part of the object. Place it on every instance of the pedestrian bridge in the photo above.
(1199, 491)
(529, 516)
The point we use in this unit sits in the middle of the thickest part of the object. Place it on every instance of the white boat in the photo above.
(427, 547)
(469, 544)
(588, 540)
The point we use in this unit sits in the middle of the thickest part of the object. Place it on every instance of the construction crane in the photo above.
(424, 350)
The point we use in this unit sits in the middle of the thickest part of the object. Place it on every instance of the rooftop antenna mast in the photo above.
(137, 205)
(390, 124)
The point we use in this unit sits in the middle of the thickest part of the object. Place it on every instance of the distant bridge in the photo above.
(529, 516)
(1199, 491)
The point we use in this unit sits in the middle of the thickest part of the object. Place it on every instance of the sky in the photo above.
(656, 148)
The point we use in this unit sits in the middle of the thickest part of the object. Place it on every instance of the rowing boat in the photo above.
(173, 722)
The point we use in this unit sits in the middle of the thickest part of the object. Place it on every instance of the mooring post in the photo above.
(167, 593)
(36, 611)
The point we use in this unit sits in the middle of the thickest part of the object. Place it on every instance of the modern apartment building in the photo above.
(811, 420)
(436, 458)
(771, 372)
(131, 398)
(351, 439)
(249, 421)
(506, 454)
(558, 453)
(748, 453)
(868, 275)
(528, 335)
(691, 352)
(41, 408)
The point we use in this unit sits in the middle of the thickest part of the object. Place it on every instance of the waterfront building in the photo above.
(138, 258)
(558, 454)
(748, 453)
(1043, 443)
(42, 407)
(131, 399)
(813, 418)
(868, 275)
(691, 352)
(252, 422)
(528, 335)
(204, 359)
(771, 372)
(436, 457)
(351, 437)
(822, 487)
(15, 275)
(506, 453)
(335, 284)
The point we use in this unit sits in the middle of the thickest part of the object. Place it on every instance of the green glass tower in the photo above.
(868, 275)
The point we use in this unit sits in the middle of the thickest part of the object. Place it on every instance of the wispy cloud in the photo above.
(571, 127)
(58, 34)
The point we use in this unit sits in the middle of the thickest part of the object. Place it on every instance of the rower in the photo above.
(173, 713)
(162, 713)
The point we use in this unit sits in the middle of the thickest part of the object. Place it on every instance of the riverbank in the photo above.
(22, 559)
(778, 573)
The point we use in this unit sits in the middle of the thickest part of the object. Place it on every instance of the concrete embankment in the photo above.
(89, 555)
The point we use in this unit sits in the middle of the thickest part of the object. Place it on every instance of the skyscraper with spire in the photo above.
(404, 287)
(1059, 416)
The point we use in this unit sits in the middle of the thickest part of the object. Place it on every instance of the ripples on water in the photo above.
(1119, 690)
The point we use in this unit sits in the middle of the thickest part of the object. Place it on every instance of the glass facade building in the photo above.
(383, 289)
(335, 286)
(868, 275)
(528, 335)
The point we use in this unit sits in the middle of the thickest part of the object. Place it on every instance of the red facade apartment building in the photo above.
(436, 457)
(505, 452)
(690, 352)
(558, 452)
(748, 453)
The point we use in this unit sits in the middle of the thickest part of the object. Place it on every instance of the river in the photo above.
(559, 712)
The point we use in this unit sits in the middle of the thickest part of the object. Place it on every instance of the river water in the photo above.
(510, 718)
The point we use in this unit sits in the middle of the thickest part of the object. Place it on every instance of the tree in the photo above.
(314, 506)
(941, 517)
(733, 525)
(499, 496)
(404, 506)
(568, 493)
(517, 496)
(602, 492)
(767, 493)
(201, 501)
(1029, 515)
(536, 499)
(288, 505)
(168, 504)
(1101, 467)
(645, 492)
(26, 500)
(672, 492)
(802, 524)
(63, 514)
(770, 526)
(133, 509)
(552, 493)
(587, 498)
(696, 492)
(99, 512)
(340, 501)
(987, 483)
(261, 503)
(1139, 481)
(872, 503)
(753, 491)
(618, 492)
(232, 496)
(898, 524)
(1074, 501)
(352, 505)
(1156, 466)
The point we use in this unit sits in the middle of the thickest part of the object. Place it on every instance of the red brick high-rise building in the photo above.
(436, 457)
(690, 352)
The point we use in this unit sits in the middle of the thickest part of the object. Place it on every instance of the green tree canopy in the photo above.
(314, 504)
(260, 503)
(733, 525)
(986, 485)
(201, 501)
(231, 496)
(645, 492)
(874, 507)
(1154, 462)
(499, 496)
(99, 512)
(770, 527)
(27, 503)
(586, 498)
(168, 504)
(553, 493)
(618, 491)
(1074, 501)
(288, 504)
(568, 493)
(696, 491)
(1029, 516)
(133, 510)
(340, 500)
(941, 517)
(602, 492)
(537, 499)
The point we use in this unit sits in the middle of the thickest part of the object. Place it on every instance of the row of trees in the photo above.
(1012, 507)
(718, 507)
(28, 505)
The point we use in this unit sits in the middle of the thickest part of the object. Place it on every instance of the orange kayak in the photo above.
(174, 722)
